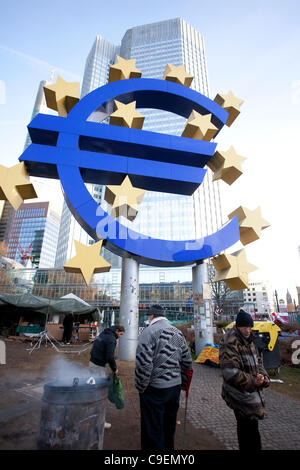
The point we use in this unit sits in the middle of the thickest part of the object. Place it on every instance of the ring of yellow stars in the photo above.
(126, 115)
(199, 126)
(177, 74)
(62, 96)
(251, 223)
(87, 261)
(233, 269)
(124, 199)
(226, 165)
(15, 185)
(123, 69)
(231, 103)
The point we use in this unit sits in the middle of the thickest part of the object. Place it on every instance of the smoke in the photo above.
(65, 371)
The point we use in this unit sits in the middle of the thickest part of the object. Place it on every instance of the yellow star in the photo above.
(177, 74)
(231, 103)
(15, 185)
(124, 199)
(87, 261)
(123, 69)
(126, 115)
(199, 126)
(233, 270)
(226, 165)
(251, 223)
(62, 96)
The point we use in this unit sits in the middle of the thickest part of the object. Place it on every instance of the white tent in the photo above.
(73, 296)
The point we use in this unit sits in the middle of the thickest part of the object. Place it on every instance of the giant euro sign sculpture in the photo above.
(78, 150)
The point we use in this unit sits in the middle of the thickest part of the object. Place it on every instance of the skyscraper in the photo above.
(6, 214)
(154, 45)
(44, 186)
(40, 106)
(34, 232)
(98, 62)
(162, 215)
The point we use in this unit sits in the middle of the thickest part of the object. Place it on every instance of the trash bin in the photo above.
(73, 415)
(266, 341)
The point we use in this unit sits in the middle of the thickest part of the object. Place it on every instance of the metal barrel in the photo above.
(73, 415)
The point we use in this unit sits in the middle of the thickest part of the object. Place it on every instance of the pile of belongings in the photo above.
(209, 355)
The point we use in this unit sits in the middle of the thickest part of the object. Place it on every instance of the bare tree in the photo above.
(220, 291)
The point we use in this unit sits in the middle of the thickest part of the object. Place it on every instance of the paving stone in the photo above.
(207, 410)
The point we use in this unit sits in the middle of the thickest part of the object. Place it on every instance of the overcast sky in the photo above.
(252, 49)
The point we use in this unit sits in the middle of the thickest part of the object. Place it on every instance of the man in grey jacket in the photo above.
(162, 355)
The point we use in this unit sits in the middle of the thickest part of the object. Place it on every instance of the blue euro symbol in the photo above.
(77, 150)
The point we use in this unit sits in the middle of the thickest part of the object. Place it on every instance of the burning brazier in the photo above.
(73, 414)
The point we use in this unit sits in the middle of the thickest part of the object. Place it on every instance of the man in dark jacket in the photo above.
(243, 380)
(162, 355)
(103, 352)
(68, 328)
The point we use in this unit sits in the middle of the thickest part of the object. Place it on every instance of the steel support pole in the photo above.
(203, 321)
(129, 309)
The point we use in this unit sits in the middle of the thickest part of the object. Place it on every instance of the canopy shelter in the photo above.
(27, 313)
(46, 306)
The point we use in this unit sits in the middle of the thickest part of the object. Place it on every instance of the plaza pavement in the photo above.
(207, 410)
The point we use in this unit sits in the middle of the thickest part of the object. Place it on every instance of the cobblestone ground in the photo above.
(207, 410)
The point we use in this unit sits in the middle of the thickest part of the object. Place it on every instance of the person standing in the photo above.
(162, 355)
(103, 352)
(68, 328)
(244, 379)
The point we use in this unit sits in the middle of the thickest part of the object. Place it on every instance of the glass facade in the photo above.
(99, 60)
(40, 106)
(6, 215)
(34, 231)
(153, 46)
(104, 290)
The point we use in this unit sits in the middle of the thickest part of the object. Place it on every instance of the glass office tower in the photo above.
(99, 60)
(162, 215)
(40, 106)
(34, 231)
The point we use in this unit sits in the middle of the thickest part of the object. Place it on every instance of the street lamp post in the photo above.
(276, 296)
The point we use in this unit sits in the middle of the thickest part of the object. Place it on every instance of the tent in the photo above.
(46, 306)
(73, 296)
(37, 311)
(96, 313)
(209, 355)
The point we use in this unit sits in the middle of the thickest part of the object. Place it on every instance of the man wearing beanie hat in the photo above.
(162, 354)
(244, 379)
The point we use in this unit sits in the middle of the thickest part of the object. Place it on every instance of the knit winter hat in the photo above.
(156, 310)
(243, 319)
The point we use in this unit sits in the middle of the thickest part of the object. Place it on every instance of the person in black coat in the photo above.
(68, 328)
(103, 350)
